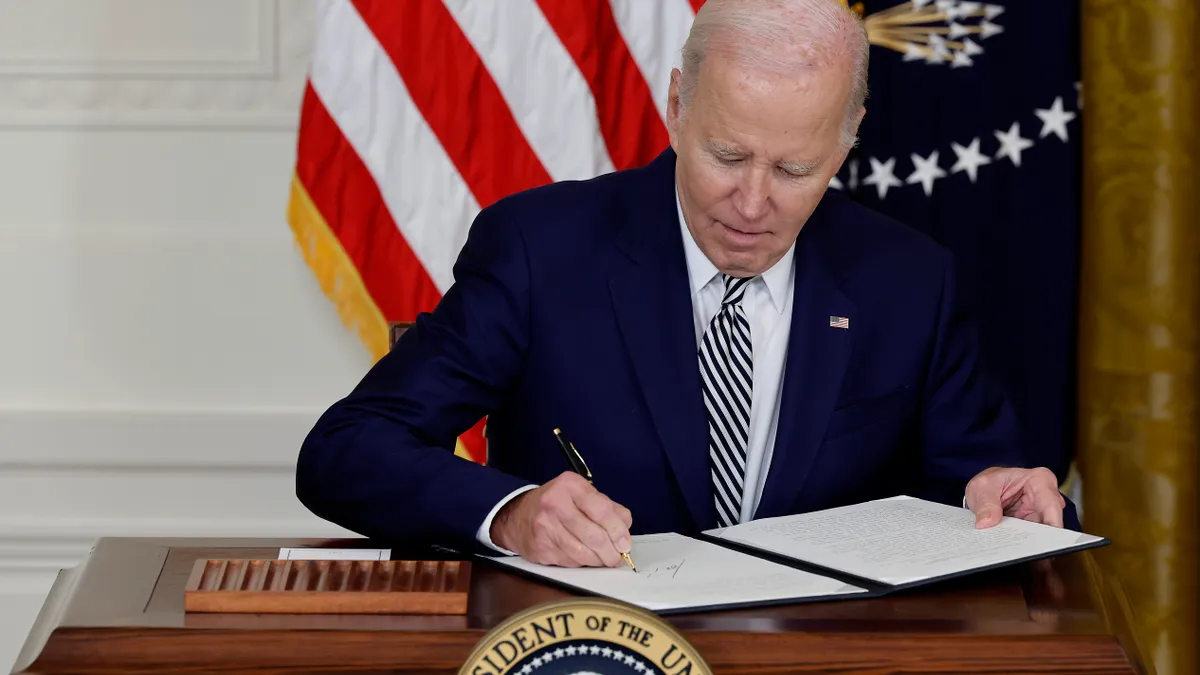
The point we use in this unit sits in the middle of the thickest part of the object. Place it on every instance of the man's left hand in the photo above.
(1028, 494)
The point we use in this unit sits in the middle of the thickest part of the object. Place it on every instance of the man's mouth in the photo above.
(740, 235)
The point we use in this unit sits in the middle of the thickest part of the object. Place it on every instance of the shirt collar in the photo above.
(701, 271)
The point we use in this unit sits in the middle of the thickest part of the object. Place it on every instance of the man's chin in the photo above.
(742, 264)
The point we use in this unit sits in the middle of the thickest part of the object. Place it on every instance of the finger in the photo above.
(607, 514)
(626, 516)
(985, 504)
(1047, 500)
(1051, 514)
(551, 535)
(575, 549)
(593, 535)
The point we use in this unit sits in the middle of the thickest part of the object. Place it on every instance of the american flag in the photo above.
(419, 113)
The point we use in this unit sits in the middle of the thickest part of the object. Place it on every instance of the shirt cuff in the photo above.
(484, 535)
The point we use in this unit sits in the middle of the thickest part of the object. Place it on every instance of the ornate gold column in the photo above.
(1140, 310)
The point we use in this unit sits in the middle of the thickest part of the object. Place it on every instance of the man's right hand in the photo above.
(565, 522)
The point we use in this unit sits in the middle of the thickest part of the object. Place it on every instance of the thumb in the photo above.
(987, 510)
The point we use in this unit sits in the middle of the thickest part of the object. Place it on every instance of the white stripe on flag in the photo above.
(655, 31)
(545, 91)
(360, 87)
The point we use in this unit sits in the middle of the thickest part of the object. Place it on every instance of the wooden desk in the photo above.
(121, 611)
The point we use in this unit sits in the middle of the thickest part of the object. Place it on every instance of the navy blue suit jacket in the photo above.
(571, 308)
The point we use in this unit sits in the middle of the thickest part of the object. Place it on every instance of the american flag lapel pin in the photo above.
(839, 322)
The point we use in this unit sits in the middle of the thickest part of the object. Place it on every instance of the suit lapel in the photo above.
(652, 302)
(816, 359)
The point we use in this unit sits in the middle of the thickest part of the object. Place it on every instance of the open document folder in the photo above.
(864, 550)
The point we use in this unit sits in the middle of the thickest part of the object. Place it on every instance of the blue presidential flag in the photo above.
(972, 136)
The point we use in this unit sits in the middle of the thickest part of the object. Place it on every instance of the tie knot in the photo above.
(735, 289)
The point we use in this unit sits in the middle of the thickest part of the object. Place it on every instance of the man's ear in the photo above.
(673, 109)
(854, 130)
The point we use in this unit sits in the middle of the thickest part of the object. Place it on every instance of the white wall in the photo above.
(160, 336)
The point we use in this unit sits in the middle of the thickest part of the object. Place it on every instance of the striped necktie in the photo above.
(726, 368)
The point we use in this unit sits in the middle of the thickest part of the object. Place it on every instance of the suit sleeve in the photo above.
(969, 423)
(380, 461)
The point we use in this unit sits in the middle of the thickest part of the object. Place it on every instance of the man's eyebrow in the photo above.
(719, 148)
(799, 167)
(796, 167)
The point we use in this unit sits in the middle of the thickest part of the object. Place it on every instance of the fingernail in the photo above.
(623, 544)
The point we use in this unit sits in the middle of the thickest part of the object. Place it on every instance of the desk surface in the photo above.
(121, 610)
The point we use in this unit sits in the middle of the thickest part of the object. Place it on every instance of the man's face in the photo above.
(755, 155)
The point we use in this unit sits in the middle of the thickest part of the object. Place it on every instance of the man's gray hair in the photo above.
(781, 36)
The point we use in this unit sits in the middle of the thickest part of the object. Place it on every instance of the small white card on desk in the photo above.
(335, 553)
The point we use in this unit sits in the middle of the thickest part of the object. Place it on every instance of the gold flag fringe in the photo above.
(336, 274)
(339, 278)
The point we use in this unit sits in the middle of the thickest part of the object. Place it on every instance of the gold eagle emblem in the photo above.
(933, 31)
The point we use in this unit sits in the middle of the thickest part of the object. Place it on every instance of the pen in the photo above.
(580, 467)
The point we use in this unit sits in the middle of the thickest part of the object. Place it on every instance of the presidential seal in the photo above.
(584, 636)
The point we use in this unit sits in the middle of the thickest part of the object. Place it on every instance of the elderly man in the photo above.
(720, 337)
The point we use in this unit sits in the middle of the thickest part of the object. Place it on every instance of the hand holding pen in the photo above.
(565, 522)
(580, 467)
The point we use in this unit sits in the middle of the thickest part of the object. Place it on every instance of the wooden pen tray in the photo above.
(328, 586)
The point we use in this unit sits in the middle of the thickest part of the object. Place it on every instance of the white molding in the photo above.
(263, 64)
(213, 440)
(144, 445)
(262, 92)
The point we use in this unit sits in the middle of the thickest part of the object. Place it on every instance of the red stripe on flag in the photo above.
(629, 120)
(696, 5)
(459, 100)
(345, 193)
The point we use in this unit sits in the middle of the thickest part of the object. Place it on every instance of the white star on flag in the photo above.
(883, 176)
(1011, 143)
(1054, 120)
(969, 159)
(927, 171)
(835, 183)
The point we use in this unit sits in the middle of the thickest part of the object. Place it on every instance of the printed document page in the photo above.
(679, 572)
(901, 540)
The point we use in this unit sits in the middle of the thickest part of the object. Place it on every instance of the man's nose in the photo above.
(753, 195)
